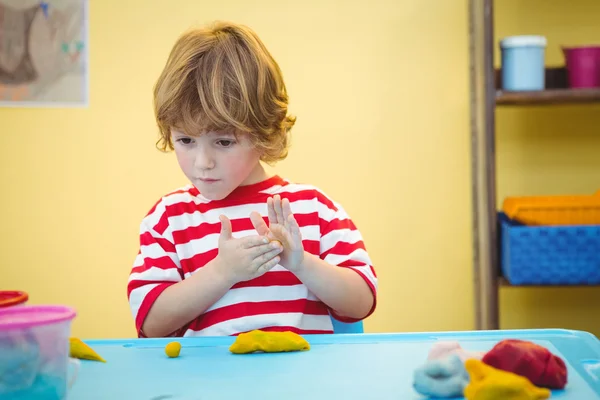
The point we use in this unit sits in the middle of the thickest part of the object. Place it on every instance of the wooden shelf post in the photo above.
(483, 103)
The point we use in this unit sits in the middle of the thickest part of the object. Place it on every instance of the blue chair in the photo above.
(344, 327)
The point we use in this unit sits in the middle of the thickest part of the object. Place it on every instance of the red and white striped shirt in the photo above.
(180, 235)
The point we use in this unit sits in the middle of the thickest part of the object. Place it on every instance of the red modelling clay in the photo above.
(530, 360)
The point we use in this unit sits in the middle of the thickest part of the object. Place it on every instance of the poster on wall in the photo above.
(44, 53)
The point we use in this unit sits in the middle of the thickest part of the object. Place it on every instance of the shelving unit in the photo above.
(486, 96)
(557, 91)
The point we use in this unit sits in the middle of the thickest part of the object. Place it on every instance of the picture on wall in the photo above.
(44, 53)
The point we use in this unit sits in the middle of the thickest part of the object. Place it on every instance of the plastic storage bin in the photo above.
(583, 66)
(523, 63)
(34, 352)
(554, 210)
(549, 255)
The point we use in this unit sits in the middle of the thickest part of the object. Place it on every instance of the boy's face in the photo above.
(217, 163)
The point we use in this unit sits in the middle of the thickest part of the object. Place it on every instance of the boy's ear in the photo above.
(261, 151)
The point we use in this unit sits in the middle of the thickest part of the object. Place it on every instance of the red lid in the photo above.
(12, 298)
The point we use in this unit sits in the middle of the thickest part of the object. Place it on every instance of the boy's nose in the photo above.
(204, 160)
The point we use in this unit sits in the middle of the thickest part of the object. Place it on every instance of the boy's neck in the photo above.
(258, 174)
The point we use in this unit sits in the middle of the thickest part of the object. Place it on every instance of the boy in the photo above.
(239, 250)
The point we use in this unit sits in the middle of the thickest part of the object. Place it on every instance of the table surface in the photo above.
(340, 366)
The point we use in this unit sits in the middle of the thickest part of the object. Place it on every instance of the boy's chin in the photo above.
(214, 196)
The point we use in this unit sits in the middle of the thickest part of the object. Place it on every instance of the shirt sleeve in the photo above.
(342, 245)
(155, 268)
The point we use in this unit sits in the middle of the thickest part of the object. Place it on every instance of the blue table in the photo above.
(340, 366)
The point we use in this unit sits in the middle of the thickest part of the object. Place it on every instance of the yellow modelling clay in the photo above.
(173, 349)
(489, 383)
(268, 342)
(78, 349)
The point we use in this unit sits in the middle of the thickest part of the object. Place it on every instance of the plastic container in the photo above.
(549, 255)
(9, 298)
(583, 66)
(554, 210)
(523, 63)
(34, 352)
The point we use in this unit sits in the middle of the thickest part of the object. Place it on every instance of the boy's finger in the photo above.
(271, 211)
(287, 209)
(266, 267)
(252, 241)
(294, 228)
(225, 228)
(259, 223)
(261, 259)
(278, 210)
(257, 251)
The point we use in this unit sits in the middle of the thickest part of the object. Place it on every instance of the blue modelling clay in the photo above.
(23, 373)
(20, 362)
(45, 387)
(442, 378)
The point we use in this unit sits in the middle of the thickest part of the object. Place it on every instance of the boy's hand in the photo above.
(284, 228)
(245, 258)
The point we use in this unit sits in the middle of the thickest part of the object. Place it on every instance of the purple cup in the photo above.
(583, 66)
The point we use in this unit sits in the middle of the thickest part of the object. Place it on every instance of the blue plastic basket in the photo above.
(549, 255)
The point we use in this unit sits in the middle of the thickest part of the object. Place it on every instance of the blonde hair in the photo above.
(222, 78)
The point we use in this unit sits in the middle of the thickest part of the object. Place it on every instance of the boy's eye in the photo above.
(225, 143)
(185, 140)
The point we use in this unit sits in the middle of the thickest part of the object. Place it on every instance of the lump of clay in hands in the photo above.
(268, 342)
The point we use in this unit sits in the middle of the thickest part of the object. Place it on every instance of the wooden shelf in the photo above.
(487, 95)
(502, 282)
(557, 91)
(551, 96)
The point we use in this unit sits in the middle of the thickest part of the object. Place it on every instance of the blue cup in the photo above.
(523, 63)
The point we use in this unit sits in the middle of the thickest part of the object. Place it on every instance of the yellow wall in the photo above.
(549, 150)
(387, 80)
